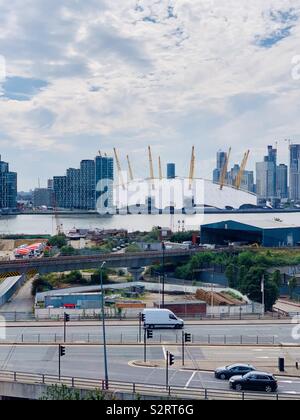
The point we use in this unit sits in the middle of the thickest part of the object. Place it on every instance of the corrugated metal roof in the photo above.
(260, 224)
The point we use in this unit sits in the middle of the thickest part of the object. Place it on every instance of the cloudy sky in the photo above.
(84, 75)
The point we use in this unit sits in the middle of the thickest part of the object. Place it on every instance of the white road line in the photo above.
(190, 380)
(165, 352)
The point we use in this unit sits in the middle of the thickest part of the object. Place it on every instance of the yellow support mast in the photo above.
(151, 166)
(239, 179)
(131, 177)
(192, 167)
(119, 168)
(160, 169)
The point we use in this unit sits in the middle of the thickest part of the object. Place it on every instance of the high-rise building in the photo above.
(221, 160)
(8, 187)
(104, 172)
(171, 171)
(81, 188)
(60, 191)
(282, 181)
(295, 172)
(43, 197)
(87, 185)
(266, 176)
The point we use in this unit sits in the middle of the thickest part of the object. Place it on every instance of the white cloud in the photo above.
(166, 72)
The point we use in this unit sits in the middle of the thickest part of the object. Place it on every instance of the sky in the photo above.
(84, 76)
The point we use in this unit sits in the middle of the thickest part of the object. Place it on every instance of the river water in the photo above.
(46, 224)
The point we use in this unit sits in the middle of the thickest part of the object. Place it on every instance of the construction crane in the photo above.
(119, 168)
(131, 177)
(239, 179)
(192, 167)
(100, 154)
(225, 169)
(160, 169)
(151, 167)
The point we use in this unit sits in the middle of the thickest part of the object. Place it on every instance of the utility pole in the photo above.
(103, 326)
(66, 320)
(163, 275)
(263, 295)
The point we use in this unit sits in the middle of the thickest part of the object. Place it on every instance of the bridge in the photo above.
(61, 264)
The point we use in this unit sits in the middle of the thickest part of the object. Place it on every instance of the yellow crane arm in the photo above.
(242, 170)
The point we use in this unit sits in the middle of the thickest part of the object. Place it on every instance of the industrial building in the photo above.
(74, 301)
(8, 187)
(265, 233)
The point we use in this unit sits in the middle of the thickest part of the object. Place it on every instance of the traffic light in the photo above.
(187, 338)
(171, 359)
(142, 317)
(62, 351)
(67, 317)
(149, 334)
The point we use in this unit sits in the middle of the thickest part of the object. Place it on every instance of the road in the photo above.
(87, 362)
(258, 333)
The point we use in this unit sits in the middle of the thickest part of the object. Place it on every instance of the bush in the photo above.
(58, 240)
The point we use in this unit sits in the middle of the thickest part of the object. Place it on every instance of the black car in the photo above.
(228, 372)
(254, 381)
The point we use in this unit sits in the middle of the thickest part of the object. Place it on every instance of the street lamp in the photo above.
(163, 274)
(103, 326)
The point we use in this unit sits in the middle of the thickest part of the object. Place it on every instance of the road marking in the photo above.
(165, 352)
(190, 380)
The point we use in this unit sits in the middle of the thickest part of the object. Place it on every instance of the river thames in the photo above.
(46, 224)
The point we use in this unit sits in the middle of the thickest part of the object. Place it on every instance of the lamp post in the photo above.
(103, 326)
(163, 274)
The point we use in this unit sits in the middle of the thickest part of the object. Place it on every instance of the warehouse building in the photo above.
(272, 233)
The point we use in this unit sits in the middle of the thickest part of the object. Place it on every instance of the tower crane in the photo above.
(239, 178)
(131, 177)
(119, 168)
(225, 169)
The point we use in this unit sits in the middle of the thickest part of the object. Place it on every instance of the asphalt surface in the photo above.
(278, 333)
(87, 362)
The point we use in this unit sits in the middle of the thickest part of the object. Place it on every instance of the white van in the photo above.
(161, 318)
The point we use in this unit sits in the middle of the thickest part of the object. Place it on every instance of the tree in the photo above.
(276, 278)
(58, 240)
(293, 284)
(252, 287)
(40, 285)
(133, 248)
(68, 250)
(230, 273)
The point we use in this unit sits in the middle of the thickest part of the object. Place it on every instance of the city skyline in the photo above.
(99, 74)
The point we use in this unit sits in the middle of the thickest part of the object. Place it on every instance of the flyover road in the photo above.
(87, 362)
(239, 333)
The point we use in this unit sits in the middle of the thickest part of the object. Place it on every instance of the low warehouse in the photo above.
(272, 233)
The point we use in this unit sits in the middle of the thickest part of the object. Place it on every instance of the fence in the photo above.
(132, 338)
(137, 390)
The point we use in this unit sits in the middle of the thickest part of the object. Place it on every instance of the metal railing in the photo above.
(139, 389)
(133, 338)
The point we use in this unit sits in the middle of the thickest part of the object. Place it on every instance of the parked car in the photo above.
(254, 381)
(228, 372)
